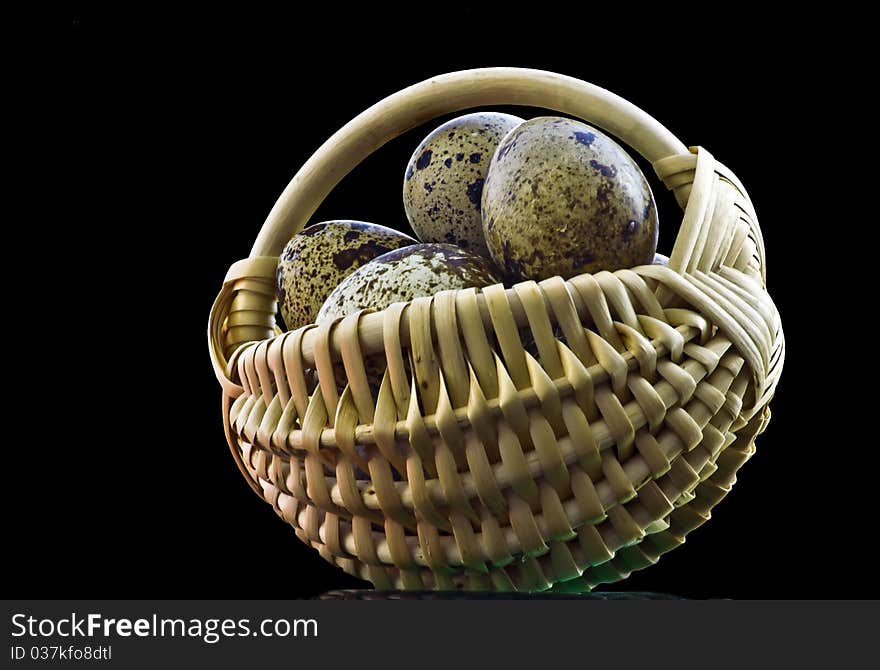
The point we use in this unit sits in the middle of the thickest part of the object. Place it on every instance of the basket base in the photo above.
(370, 594)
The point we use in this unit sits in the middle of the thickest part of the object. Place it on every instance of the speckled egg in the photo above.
(315, 261)
(660, 259)
(443, 184)
(562, 198)
(405, 274)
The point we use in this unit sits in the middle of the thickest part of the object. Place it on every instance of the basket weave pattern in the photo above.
(488, 465)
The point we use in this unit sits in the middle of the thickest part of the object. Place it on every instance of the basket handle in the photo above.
(444, 94)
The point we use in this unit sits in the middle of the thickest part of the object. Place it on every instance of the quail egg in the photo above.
(407, 273)
(562, 198)
(444, 179)
(316, 260)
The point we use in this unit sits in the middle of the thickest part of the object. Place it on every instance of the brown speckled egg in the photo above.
(405, 274)
(315, 261)
(443, 184)
(562, 198)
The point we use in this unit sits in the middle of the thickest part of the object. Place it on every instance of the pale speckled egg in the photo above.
(316, 260)
(660, 259)
(402, 275)
(562, 198)
(443, 184)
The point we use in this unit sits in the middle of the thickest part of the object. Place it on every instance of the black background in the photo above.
(171, 136)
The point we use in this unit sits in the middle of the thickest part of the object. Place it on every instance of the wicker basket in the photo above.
(490, 468)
